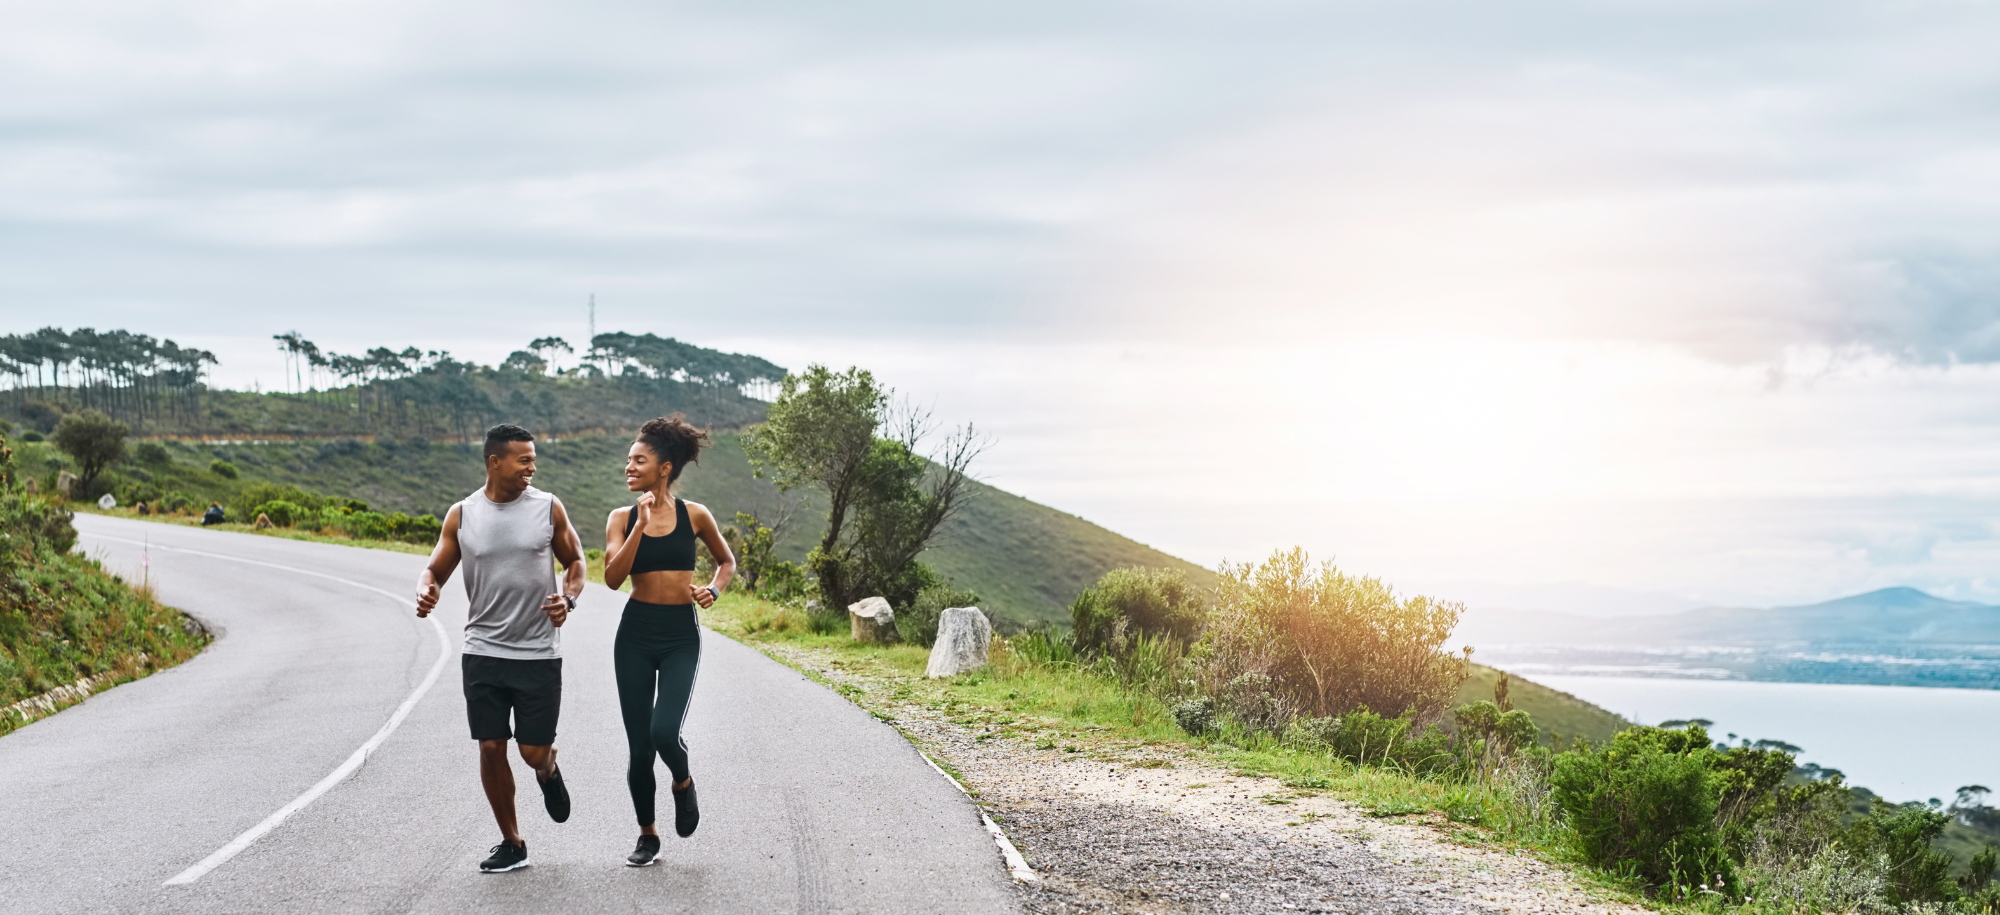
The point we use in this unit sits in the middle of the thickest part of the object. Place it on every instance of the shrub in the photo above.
(1329, 642)
(1644, 805)
(281, 512)
(1250, 700)
(222, 468)
(783, 581)
(1196, 716)
(917, 623)
(1131, 602)
(247, 501)
(150, 453)
(1902, 836)
(94, 440)
(33, 436)
(1505, 731)
(1313, 733)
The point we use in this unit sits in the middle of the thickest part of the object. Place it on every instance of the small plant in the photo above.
(222, 468)
(1195, 716)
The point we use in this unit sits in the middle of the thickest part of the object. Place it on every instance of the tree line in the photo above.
(159, 386)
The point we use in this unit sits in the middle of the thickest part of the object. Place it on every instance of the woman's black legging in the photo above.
(658, 644)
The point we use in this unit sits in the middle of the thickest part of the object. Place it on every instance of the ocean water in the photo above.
(1904, 743)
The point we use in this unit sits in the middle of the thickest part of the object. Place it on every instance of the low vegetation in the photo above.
(63, 619)
(1664, 814)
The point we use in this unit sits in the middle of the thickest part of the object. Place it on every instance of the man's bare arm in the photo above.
(444, 561)
(569, 551)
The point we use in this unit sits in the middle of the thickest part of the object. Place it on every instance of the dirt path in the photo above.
(1117, 828)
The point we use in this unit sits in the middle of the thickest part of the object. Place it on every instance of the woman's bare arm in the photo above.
(725, 561)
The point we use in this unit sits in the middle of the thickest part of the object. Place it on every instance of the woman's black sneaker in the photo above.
(686, 815)
(506, 857)
(555, 797)
(648, 852)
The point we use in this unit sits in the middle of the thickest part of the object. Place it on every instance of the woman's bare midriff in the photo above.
(663, 587)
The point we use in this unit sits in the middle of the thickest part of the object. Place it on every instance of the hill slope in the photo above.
(1026, 560)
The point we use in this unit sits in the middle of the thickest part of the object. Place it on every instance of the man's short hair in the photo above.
(498, 437)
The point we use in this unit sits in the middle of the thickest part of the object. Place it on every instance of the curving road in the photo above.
(809, 805)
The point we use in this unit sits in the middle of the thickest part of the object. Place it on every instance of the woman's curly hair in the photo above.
(674, 440)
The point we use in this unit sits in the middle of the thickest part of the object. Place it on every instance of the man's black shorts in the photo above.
(530, 688)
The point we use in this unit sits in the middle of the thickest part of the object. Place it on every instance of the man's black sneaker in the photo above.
(506, 857)
(555, 797)
(686, 815)
(648, 852)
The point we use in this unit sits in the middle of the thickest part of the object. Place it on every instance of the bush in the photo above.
(152, 453)
(1644, 805)
(1132, 602)
(247, 501)
(1902, 837)
(1330, 643)
(917, 623)
(222, 468)
(32, 436)
(281, 512)
(1195, 716)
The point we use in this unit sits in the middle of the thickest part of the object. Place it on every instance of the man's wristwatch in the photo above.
(571, 601)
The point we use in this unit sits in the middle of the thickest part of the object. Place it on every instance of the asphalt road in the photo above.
(809, 805)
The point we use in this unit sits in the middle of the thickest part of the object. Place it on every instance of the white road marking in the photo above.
(1016, 865)
(353, 762)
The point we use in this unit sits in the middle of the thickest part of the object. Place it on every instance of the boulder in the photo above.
(65, 482)
(31, 484)
(962, 639)
(263, 522)
(873, 620)
(107, 501)
(812, 606)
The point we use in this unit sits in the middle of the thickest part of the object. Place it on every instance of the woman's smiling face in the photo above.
(643, 468)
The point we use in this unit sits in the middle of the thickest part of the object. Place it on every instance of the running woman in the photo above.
(506, 535)
(658, 649)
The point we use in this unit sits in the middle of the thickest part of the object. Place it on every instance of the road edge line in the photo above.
(354, 761)
(1016, 865)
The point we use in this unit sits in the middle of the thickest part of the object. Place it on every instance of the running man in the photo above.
(506, 534)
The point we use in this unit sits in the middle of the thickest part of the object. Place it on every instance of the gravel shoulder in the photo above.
(1113, 826)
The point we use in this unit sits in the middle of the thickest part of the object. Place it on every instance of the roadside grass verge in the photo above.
(1071, 709)
(70, 629)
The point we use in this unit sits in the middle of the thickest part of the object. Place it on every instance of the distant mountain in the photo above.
(1891, 616)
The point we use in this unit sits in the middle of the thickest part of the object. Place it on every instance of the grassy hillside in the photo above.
(1027, 561)
(1559, 714)
(64, 621)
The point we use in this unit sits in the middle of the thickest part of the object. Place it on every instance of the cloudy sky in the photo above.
(1693, 298)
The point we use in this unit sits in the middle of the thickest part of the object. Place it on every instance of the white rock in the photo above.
(963, 635)
(872, 620)
(107, 502)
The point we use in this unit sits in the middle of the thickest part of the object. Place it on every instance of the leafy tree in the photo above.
(885, 501)
(95, 440)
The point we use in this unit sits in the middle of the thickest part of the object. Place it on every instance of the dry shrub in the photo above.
(1329, 642)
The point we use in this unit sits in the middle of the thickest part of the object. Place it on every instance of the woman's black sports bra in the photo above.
(672, 553)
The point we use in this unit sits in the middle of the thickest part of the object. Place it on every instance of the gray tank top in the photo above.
(509, 569)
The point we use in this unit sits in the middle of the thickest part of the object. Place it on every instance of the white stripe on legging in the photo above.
(251, 835)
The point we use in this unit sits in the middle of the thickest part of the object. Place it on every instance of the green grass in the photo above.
(64, 618)
(1026, 560)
